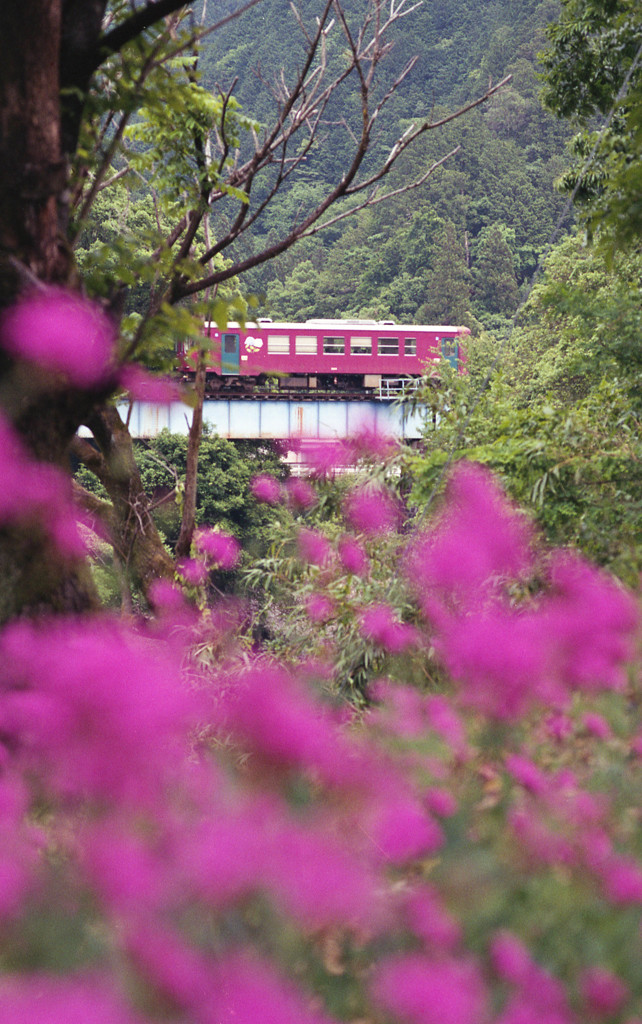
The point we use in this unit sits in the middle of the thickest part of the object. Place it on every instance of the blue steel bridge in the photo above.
(277, 418)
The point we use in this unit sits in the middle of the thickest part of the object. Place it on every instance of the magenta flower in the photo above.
(559, 726)
(301, 494)
(369, 443)
(528, 774)
(622, 877)
(52, 999)
(478, 542)
(429, 921)
(587, 808)
(592, 621)
(604, 993)
(510, 958)
(441, 802)
(129, 877)
(596, 725)
(544, 844)
(539, 997)
(636, 745)
(371, 510)
(323, 457)
(266, 488)
(318, 881)
(380, 625)
(352, 556)
(19, 844)
(248, 990)
(220, 548)
(522, 1009)
(147, 387)
(498, 658)
(597, 849)
(191, 571)
(63, 333)
(401, 827)
(180, 973)
(313, 547)
(421, 990)
(319, 607)
(576, 635)
(166, 596)
(94, 710)
(38, 491)
(275, 714)
(445, 721)
(401, 710)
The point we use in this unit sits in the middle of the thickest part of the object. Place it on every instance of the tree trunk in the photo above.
(33, 171)
(136, 540)
(33, 178)
(188, 519)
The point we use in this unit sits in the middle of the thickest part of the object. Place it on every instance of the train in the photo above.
(339, 356)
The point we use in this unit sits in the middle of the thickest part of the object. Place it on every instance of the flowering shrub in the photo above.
(195, 840)
(220, 549)
(59, 331)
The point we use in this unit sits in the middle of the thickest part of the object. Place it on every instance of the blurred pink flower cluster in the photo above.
(208, 826)
(37, 493)
(576, 633)
(61, 332)
(221, 550)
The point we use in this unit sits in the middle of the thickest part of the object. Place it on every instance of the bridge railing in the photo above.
(397, 387)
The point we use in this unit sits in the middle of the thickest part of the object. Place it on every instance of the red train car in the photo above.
(340, 355)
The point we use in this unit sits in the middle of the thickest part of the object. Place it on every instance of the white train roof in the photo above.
(321, 324)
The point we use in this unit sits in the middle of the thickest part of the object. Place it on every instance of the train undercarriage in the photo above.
(339, 386)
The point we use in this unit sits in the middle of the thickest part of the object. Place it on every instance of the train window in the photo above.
(278, 344)
(361, 346)
(230, 341)
(410, 347)
(388, 346)
(305, 345)
(333, 346)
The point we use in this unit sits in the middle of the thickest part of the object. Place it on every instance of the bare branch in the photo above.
(114, 178)
(413, 133)
(376, 197)
(346, 187)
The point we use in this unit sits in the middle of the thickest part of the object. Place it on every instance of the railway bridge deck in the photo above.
(277, 417)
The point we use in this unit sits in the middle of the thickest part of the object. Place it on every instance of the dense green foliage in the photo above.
(225, 471)
(559, 419)
(224, 500)
(594, 68)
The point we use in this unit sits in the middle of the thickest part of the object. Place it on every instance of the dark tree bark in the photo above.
(135, 537)
(45, 41)
(188, 519)
(33, 171)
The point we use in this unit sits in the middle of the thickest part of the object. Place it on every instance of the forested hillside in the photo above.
(460, 247)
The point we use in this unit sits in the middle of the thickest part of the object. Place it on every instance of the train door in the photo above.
(450, 351)
(230, 345)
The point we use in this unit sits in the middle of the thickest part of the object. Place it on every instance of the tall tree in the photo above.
(448, 283)
(495, 281)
